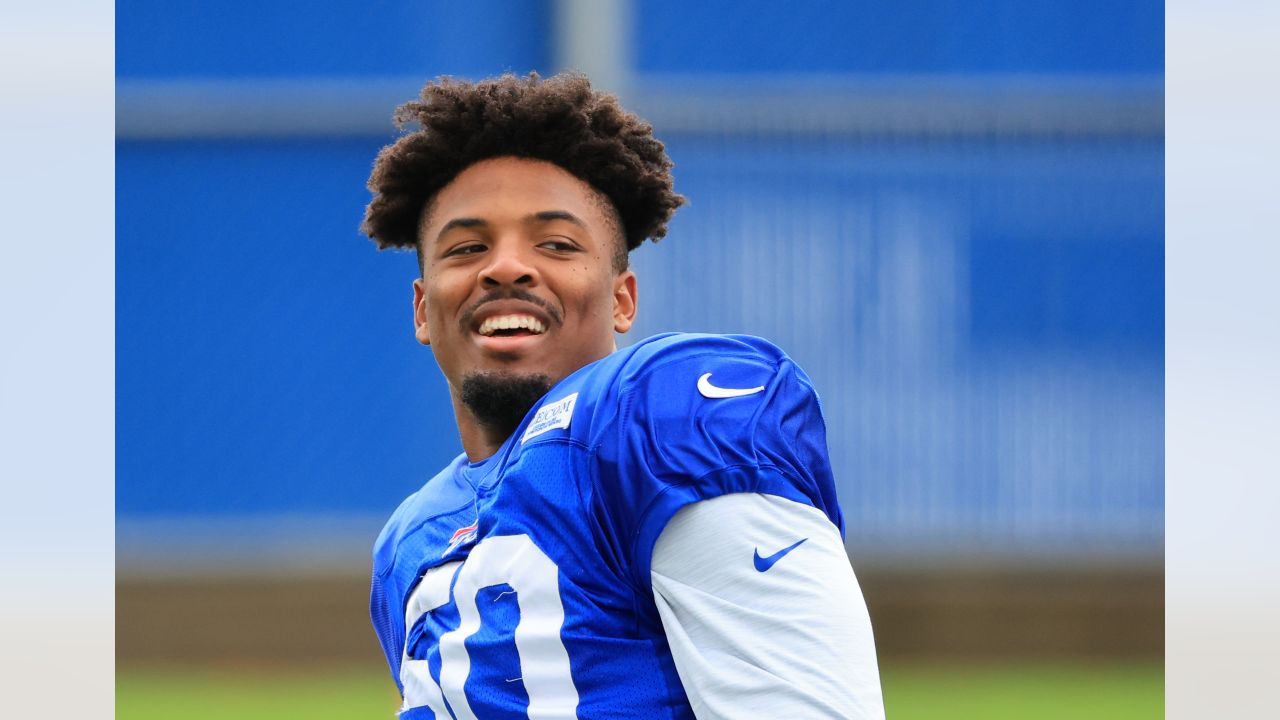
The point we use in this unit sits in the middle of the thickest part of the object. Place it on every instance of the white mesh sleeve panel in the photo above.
(791, 640)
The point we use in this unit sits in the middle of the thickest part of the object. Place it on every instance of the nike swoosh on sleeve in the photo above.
(708, 390)
(763, 564)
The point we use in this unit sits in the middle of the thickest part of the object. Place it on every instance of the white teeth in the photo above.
(511, 322)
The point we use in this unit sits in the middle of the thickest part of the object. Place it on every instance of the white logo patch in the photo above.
(550, 417)
(711, 391)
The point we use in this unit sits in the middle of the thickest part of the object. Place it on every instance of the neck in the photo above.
(479, 441)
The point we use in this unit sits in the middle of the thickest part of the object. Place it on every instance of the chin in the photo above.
(500, 400)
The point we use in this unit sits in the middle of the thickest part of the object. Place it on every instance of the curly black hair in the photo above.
(559, 119)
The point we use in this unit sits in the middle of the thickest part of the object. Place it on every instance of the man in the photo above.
(645, 533)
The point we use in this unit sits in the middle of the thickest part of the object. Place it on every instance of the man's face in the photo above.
(518, 275)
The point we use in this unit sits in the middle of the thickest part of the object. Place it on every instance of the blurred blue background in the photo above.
(950, 213)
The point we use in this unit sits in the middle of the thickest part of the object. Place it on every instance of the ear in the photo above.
(624, 301)
(420, 330)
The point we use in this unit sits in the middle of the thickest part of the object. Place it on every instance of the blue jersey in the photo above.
(519, 586)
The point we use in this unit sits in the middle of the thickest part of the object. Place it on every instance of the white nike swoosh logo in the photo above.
(708, 390)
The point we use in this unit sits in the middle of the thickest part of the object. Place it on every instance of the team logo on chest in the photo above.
(461, 536)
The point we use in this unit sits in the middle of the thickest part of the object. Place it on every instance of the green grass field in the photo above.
(990, 692)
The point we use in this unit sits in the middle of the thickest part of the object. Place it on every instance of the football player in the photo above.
(644, 533)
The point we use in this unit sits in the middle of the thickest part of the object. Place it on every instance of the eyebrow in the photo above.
(544, 216)
(463, 222)
(549, 215)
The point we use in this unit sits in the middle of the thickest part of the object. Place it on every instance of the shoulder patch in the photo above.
(551, 416)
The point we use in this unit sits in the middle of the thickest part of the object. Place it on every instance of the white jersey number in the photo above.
(544, 664)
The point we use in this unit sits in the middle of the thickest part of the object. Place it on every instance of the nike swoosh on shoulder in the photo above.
(763, 564)
(708, 390)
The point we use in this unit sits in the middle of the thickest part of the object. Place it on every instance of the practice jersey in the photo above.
(520, 587)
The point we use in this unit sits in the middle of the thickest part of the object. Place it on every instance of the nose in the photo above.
(508, 265)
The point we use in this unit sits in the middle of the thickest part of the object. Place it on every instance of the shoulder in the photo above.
(676, 374)
(725, 382)
(443, 493)
(700, 416)
(672, 391)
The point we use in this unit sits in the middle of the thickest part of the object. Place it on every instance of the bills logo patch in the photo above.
(551, 417)
(461, 536)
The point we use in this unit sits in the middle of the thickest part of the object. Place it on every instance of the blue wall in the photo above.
(264, 353)
(909, 36)
(272, 38)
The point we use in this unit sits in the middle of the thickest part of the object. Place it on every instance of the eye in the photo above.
(559, 244)
(465, 249)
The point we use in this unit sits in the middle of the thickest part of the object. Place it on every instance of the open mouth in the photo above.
(511, 326)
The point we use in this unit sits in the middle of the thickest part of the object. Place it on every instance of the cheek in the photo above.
(597, 301)
(440, 302)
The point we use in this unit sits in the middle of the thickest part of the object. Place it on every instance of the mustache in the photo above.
(510, 294)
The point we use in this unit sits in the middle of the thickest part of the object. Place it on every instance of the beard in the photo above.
(499, 401)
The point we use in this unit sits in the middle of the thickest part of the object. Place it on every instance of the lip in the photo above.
(510, 345)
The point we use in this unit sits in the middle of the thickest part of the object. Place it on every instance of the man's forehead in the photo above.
(512, 179)
(516, 189)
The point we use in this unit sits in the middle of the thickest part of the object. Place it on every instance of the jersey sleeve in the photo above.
(763, 613)
(707, 417)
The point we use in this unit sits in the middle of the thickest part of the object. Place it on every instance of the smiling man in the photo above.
(642, 533)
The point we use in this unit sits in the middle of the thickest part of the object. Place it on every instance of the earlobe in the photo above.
(420, 330)
(624, 301)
